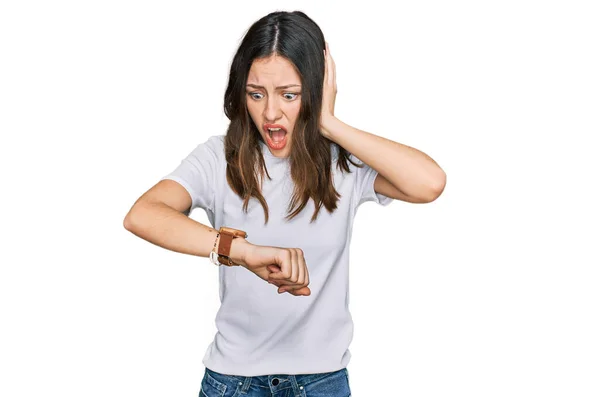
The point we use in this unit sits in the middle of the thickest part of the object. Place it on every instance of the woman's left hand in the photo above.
(329, 91)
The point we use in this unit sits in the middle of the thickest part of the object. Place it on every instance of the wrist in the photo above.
(328, 127)
(239, 247)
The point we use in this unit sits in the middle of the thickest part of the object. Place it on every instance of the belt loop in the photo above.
(247, 383)
(298, 390)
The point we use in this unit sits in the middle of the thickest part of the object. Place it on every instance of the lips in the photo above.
(276, 140)
(266, 126)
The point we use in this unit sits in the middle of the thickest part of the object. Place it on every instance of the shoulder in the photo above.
(214, 144)
(216, 141)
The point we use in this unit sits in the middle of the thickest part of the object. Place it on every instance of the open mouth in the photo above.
(277, 135)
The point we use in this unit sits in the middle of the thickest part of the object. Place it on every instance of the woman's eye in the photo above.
(290, 96)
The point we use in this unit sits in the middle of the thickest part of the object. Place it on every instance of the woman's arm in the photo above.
(415, 175)
(405, 173)
(157, 217)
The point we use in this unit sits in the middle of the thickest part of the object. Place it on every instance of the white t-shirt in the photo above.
(261, 332)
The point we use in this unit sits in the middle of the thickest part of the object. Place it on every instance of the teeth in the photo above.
(271, 131)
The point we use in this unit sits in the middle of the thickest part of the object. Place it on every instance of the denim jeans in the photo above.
(327, 384)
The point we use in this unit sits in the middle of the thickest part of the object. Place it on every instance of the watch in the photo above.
(221, 256)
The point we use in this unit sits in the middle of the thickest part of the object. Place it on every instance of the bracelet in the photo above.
(213, 254)
(216, 238)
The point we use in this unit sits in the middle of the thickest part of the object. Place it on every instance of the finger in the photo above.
(291, 287)
(285, 264)
(279, 281)
(285, 283)
(304, 291)
(303, 271)
(328, 63)
(295, 267)
(325, 74)
(297, 280)
(331, 67)
(301, 287)
(273, 268)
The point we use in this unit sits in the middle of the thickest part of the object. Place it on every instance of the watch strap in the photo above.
(227, 235)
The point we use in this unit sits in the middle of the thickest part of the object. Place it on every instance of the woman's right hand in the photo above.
(283, 267)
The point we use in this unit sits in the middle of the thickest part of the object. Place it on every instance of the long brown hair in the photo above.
(298, 38)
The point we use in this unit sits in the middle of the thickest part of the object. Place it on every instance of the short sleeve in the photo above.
(197, 173)
(364, 189)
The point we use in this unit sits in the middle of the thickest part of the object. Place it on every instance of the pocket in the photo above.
(215, 384)
(334, 384)
(211, 387)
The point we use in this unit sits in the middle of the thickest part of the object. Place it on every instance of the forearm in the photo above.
(408, 169)
(168, 228)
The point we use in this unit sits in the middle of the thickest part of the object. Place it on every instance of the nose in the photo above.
(272, 109)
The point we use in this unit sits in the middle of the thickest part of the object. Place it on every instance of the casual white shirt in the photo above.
(261, 332)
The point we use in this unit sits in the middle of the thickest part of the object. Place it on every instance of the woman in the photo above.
(287, 230)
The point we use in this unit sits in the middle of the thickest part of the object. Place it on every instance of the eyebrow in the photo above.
(277, 88)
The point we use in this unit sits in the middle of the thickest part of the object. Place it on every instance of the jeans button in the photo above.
(275, 382)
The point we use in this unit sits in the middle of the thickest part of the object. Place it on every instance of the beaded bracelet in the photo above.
(213, 254)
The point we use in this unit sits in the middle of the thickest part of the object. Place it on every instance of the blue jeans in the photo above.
(327, 384)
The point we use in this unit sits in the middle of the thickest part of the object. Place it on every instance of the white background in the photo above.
(492, 290)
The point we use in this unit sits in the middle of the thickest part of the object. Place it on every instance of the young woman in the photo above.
(280, 189)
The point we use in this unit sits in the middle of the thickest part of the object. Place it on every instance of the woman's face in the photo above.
(273, 99)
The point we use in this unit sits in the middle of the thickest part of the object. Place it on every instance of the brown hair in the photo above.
(298, 38)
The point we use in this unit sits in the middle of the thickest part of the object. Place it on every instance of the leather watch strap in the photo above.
(227, 235)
